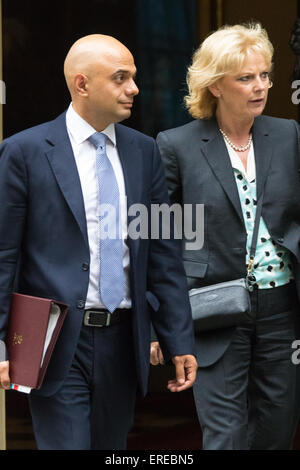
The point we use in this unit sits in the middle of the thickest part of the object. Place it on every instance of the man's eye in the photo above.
(119, 78)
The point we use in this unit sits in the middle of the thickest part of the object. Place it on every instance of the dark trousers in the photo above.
(249, 399)
(94, 409)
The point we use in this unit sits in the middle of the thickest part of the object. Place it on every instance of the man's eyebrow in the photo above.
(127, 72)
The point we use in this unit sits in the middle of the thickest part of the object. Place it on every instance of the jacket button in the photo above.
(85, 267)
(80, 304)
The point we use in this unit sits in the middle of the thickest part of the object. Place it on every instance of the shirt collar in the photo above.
(236, 163)
(81, 130)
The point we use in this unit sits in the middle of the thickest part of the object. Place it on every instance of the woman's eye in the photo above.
(245, 78)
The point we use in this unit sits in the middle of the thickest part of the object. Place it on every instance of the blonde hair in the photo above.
(223, 52)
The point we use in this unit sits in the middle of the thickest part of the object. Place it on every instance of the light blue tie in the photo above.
(111, 282)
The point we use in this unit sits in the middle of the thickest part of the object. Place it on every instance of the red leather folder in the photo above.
(26, 337)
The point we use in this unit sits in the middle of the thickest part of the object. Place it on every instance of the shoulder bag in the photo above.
(227, 303)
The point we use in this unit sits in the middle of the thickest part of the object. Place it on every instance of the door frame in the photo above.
(2, 392)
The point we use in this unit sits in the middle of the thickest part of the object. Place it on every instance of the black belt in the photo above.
(101, 317)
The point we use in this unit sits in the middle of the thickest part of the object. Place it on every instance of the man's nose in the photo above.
(132, 89)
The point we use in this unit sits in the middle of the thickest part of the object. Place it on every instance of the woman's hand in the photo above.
(156, 355)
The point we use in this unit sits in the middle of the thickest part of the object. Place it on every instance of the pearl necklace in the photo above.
(237, 149)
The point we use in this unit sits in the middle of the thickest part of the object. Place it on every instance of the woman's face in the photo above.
(244, 95)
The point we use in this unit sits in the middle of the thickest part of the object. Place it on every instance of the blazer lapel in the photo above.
(263, 153)
(131, 160)
(216, 154)
(62, 161)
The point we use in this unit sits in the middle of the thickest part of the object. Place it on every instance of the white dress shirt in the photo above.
(85, 156)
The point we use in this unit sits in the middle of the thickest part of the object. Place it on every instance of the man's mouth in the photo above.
(127, 103)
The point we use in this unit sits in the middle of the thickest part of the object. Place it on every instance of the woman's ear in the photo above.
(215, 90)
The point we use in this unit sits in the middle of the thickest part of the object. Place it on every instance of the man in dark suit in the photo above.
(50, 223)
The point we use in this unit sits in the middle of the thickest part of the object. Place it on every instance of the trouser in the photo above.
(94, 408)
(249, 399)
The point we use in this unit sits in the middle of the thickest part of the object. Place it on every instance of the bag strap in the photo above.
(255, 234)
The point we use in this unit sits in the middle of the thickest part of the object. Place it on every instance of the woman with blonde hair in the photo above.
(227, 158)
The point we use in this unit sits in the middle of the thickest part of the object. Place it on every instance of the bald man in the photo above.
(50, 221)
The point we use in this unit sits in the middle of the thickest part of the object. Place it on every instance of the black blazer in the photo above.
(199, 170)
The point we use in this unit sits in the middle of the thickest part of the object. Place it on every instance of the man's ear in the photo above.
(80, 84)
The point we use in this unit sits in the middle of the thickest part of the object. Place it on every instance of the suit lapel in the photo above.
(263, 153)
(131, 160)
(62, 161)
(216, 154)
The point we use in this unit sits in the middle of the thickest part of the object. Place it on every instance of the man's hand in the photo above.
(186, 370)
(156, 355)
(4, 375)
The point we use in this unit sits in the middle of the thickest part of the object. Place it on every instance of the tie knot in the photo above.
(98, 139)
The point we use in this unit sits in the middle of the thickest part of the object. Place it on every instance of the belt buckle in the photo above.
(86, 320)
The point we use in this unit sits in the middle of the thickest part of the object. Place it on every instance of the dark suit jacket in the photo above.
(43, 226)
(199, 170)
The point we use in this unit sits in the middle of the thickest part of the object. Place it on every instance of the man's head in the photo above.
(99, 72)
